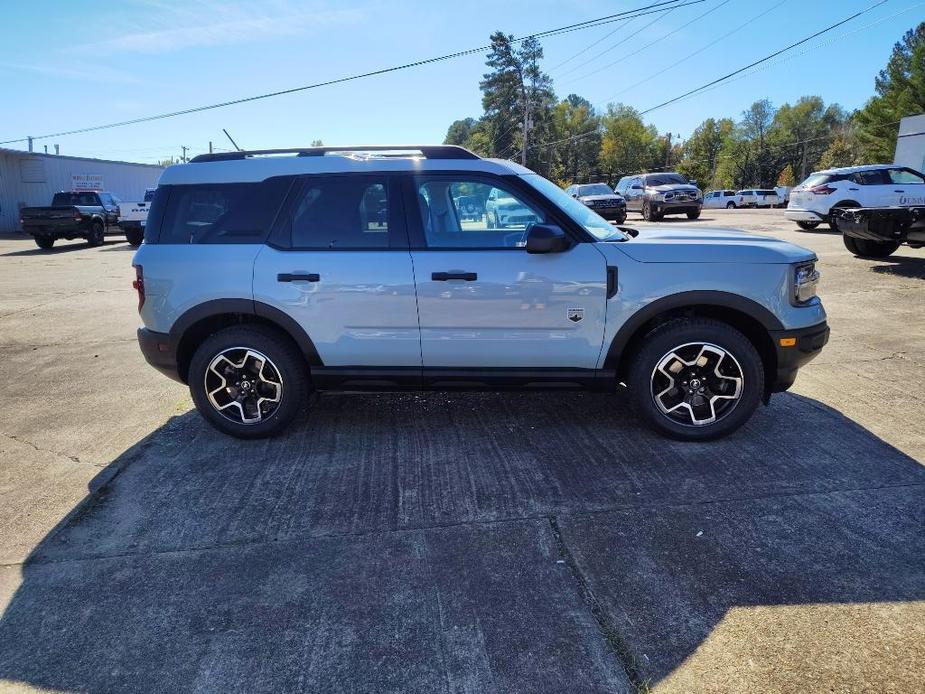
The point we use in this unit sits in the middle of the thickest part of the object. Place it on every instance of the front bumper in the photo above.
(795, 215)
(808, 342)
(675, 206)
(160, 352)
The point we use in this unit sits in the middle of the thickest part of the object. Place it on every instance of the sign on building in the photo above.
(86, 182)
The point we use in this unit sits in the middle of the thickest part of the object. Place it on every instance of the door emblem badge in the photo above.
(575, 314)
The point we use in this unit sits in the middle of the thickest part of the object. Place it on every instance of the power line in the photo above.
(731, 74)
(587, 24)
(592, 45)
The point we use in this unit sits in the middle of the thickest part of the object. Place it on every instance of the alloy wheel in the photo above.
(243, 385)
(697, 383)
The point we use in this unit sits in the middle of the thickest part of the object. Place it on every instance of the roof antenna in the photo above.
(232, 140)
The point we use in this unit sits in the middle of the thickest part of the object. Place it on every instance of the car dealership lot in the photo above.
(457, 542)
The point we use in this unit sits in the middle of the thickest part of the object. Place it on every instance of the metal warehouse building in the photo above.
(31, 179)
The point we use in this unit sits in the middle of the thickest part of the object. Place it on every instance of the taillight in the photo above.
(139, 285)
(822, 190)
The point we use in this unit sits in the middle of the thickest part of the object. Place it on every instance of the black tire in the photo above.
(96, 234)
(620, 218)
(869, 249)
(648, 214)
(677, 335)
(730, 205)
(286, 362)
(44, 242)
(134, 237)
(693, 214)
(808, 226)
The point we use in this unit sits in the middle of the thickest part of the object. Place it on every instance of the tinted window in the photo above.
(595, 189)
(84, 199)
(767, 192)
(905, 176)
(149, 195)
(341, 212)
(875, 177)
(222, 213)
(503, 224)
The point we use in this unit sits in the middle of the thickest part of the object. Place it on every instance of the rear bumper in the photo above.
(803, 215)
(160, 352)
(56, 231)
(809, 342)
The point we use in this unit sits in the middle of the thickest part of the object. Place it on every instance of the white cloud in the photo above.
(86, 72)
(169, 28)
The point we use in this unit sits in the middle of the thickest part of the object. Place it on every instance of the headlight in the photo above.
(805, 279)
(655, 195)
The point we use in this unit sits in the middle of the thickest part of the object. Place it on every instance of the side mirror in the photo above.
(575, 195)
(547, 238)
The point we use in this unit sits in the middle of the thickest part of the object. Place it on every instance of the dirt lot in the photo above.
(456, 543)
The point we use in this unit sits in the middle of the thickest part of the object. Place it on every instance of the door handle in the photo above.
(899, 190)
(611, 281)
(298, 277)
(444, 276)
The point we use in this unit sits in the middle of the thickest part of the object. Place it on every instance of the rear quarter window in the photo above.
(219, 213)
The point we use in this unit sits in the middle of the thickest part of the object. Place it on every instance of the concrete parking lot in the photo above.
(457, 542)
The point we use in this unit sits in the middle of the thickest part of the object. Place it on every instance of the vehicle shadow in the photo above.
(903, 266)
(403, 542)
(58, 249)
(676, 219)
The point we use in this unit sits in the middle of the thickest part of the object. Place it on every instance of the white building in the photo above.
(29, 179)
(910, 145)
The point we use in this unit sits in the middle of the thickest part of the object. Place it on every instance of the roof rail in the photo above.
(428, 152)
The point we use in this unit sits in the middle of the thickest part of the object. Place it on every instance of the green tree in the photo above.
(900, 88)
(627, 144)
(786, 177)
(802, 132)
(702, 150)
(576, 123)
(459, 131)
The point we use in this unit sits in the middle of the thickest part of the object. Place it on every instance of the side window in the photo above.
(222, 213)
(473, 214)
(868, 178)
(621, 186)
(905, 176)
(341, 212)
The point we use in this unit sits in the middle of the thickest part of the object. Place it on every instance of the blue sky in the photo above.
(66, 65)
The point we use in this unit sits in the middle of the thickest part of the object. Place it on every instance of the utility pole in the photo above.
(668, 152)
(523, 154)
(183, 157)
(30, 143)
(57, 151)
(210, 146)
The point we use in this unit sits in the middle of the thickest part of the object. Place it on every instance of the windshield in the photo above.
(815, 179)
(596, 225)
(594, 189)
(666, 179)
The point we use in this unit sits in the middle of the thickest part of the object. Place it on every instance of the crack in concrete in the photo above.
(26, 442)
(611, 635)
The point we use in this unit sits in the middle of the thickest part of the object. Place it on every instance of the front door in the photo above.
(339, 265)
(483, 301)
(635, 194)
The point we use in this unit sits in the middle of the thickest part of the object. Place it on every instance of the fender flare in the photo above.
(249, 307)
(682, 300)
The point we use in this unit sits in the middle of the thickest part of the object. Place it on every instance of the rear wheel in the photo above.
(44, 242)
(807, 225)
(248, 381)
(869, 249)
(134, 237)
(95, 236)
(696, 379)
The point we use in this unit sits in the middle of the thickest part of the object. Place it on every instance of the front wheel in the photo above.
(693, 214)
(96, 234)
(696, 379)
(869, 249)
(620, 218)
(44, 242)
(248, 381)
(649, 214)
(730, 205)
(134, 237)
(808, 226)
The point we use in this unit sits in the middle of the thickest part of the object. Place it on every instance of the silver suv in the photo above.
(656, 194)
(262, 278)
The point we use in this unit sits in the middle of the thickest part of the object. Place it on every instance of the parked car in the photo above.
(783, 195)
(85, 214)
(876, 232)
(876, 185)
(503, 211)
(756, 197)
(132, 217)
(260, 279)
(657, 194)
(470, 207)
(718, 199)
(599, 197)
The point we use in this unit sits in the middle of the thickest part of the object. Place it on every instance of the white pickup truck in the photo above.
(132, 218)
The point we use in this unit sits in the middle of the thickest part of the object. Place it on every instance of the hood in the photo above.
(673, 187)
(663, 244)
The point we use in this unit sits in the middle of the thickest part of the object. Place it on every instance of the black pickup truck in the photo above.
(79, 214)
(876, 232)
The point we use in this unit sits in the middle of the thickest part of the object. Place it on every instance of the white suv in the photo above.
(876, 185)
(262, 278)
(757, 197)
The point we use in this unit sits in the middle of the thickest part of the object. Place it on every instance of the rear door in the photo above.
(338, 263)
(483, 301)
